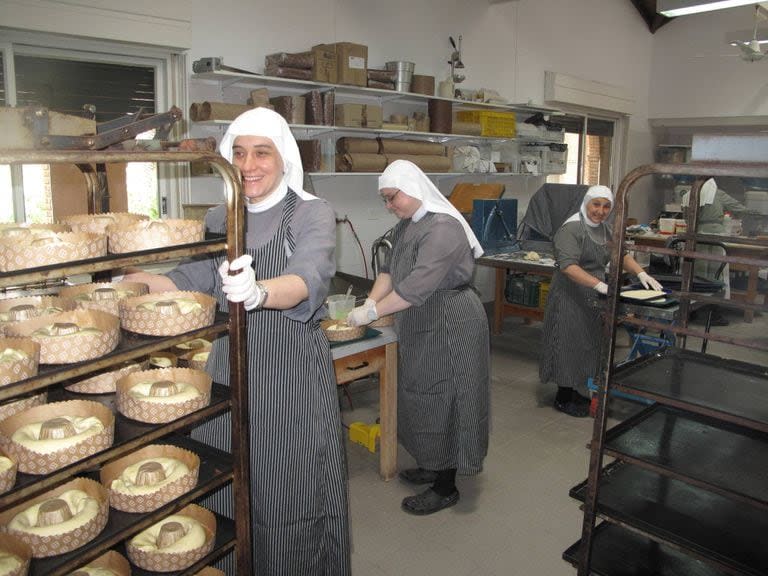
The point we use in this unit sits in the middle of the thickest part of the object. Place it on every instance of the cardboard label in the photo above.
(356, 63)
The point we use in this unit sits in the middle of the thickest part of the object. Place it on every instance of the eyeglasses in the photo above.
(389, 199)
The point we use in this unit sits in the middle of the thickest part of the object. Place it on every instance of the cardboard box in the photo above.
(324, 68)
(359, 115)
(351, 62)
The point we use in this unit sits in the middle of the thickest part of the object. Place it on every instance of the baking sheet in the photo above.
(643, 295)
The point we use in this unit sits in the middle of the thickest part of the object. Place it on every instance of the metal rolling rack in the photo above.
(687, 492)
(217, 468)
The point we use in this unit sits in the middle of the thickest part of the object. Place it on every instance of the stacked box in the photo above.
(351, 62)
(292, 108)
(359, 115)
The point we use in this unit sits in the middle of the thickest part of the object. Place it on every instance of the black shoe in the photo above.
(575, 409)
(428, 502)
(418, 476)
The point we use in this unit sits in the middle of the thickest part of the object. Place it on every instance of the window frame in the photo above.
(170, 69)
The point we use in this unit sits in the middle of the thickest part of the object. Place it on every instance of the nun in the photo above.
(443, 339)
(298, 469)
(572, 320)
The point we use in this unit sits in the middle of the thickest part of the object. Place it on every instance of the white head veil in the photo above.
(266, 123)
(706, 194)
(592, 193)
(408, 178)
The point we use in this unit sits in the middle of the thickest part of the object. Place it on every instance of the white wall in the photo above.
(696, 74)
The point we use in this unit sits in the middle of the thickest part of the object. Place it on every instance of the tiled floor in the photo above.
(514, 519)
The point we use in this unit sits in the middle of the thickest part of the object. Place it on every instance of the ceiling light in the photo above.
(672, 8)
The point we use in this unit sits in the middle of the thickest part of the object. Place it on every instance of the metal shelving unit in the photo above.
(686, 492)
(216, 468)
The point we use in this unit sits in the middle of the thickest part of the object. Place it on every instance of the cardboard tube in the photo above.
(357, 145)
(426, 163)
(220, 111)
(468, 128)
(361, 162)
(412, 147)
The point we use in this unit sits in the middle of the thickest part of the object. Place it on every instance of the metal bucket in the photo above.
(404, 72)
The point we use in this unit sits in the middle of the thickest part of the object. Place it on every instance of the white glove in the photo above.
(601, 287)
(241, 287)
(363, 315)
(649, 282)
(369, 303)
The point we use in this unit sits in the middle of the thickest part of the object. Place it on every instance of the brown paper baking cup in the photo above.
(113, 561)
(153, 412)
(171, 562)
(104, 382)
(150, 234)
(210, 571)
(20, 253)
(44, 546)
(149, 502)
(76, 347)
(8, 477)
(341, 335)
(156, 323)
(17, 370)
(199, 364)
(186, 354)
(13, 310)
(16, 405)
(12, 230)
(18, 548)
(98, 223)
(103, 296)
(387, 320)
(158, 360)
(31, 462)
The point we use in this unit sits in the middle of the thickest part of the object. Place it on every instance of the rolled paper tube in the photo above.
(104, 294)
(170, 532)
(194, 111)
(411, 147)
(54, 511)
(64, 328)
(468, 128)
(303, 60)
(221, 111)
(314, 107)
(381, 85)
(288, 72)
(440, 116)
(382, 76)
(361, 162)
(163, 388)
(329, 112)
(22, 312)
(426, 163)
(150, 473)
(422, 84)
(56, 428)
(357, 145)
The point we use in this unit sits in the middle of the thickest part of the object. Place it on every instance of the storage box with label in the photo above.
(324, 67)
(351, 62)
(359, 115)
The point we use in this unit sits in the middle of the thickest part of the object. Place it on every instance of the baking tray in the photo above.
(616, 551)
(718, 387)
(708, 525)
(368, 334)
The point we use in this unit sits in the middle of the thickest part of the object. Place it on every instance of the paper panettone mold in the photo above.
(19, 359)
(149, 234)
(75, 536)
(341, 334)
(158, 561)
(163, 359)
(17, 405)
(70, 336)
(44, 250)
(199, 360)
(387, 320)
(28, 230)
(98, 223)
(112, 561)
(156, 482)
(186, 351)
(167, 313)
(20, 549)
(54, 423)
(104, 382)
(7, 472)
(103, 296)
(14, 310)
(151, 400)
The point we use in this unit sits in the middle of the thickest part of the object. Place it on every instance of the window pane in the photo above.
(599, 148)
(38, 205)
(2, 81)
(6, 191)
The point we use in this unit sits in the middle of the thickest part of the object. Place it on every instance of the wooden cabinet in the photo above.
(216, 468)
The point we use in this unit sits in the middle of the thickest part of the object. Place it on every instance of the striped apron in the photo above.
(573, 331)
(443, 374)
(298, 467)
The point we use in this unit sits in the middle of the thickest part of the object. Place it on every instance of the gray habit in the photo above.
(572, 322)
(443, 346)
(298, 469)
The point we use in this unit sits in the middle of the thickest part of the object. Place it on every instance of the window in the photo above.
(591, 150)
(45, 71)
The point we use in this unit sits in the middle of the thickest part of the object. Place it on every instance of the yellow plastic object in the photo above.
(492, 123)
(365, 434)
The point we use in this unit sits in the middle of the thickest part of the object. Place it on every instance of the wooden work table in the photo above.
(732, 249)
(514, 262)
(363, 358)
